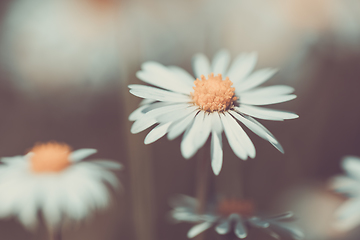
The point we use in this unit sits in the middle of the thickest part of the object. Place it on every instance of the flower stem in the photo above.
(202, 184)
(55, 234)
(202, 181)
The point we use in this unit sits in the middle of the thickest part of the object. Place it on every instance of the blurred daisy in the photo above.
(51, 178)
(348, 215)
(209, 105)
(50, 43)
(231, 215)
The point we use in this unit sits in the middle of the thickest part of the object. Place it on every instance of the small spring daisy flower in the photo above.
(218, 100)
(52, 179)
(348, 215)
(231, 215)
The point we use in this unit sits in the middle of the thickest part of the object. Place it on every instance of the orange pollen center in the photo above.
(50, 157)
(213, 94)
(242, 207)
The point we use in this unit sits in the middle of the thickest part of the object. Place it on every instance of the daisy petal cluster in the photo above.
(54, 180)
(348, 215)
(229, 216)
(216, 100)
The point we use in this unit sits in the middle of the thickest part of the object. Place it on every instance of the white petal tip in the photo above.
(133, 131)
(216, 172)
(148, 141)
(81, 154)
(294, 116)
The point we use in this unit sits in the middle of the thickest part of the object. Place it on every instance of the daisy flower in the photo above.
(231, 215)
(348, 215)
(209, 105)
(53, 179)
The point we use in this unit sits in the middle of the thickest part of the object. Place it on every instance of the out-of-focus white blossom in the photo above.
(348, 215)
(56, 182)
(231, 215)
(49, 43)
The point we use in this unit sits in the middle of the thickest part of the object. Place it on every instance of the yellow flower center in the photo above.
(50, 157)
(213, 94)
(242, 207)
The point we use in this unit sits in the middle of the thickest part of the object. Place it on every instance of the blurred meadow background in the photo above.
(65, 66)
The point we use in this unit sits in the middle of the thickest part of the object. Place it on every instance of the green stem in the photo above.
(202, 175)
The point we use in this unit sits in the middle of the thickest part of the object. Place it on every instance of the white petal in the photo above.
(201, 65)
(268, 91)
(352, 166)
(142, 124)
(203, 131)
(157, 133)
(258, 129)
(220, 62)
(149, 118)
(265, 113)
(28, 210)
(224, 226)
(347, 224)
(168, 108)
(146, 101)
(348, 216)
(184, 201)
(242, 67)
(52, 206)
(216, 124)
(266, 100)
(188, 145)
(240, 229)
(157, 105)
(241, 136)
(160, 76)
(235, 145)
(179, 127)
(108, 164)
(257, 222)
(197, 229)
(183, 74)
(255, 79)
(138, 113)
(81, 154)
(176, 114)
(13, 160)
(348, 185)
(157, 94)
(216, 153)
(282, 216)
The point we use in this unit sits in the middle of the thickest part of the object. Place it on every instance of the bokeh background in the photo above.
(64, 70)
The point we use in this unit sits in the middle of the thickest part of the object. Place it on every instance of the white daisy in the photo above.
(231, 215)
(51, 179)
(348, 215)
(209, 106)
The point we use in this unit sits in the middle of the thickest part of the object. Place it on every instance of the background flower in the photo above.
(52, 44)
(51, 179)
(230, 215)
(347, 216)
